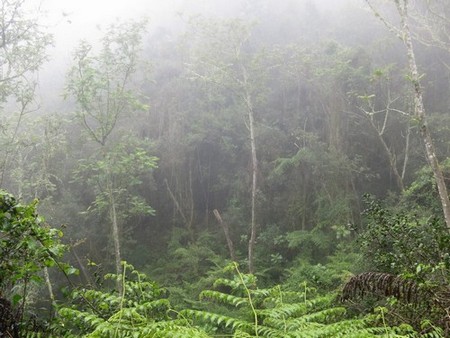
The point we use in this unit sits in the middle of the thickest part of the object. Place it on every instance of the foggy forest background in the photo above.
(279, 135)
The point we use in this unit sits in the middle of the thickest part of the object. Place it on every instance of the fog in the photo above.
(273, 142)
(73, 21)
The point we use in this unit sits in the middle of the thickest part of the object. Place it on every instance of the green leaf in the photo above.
(16, 298)
(70, 270)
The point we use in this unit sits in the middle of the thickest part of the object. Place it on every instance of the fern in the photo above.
(243, 311)
(241, 334)
(292, 324)
(223, 298)
(282, 313)
(217, 319)
(140, 312)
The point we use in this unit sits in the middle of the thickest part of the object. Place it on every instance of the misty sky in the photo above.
(73, 20)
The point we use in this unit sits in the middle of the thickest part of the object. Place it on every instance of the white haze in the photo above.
(73, 20)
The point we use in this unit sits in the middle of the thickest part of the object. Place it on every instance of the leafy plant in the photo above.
(398, 242)
(27, 246)
(414, 303)
(140, 310)
(274, 312)
(410, 254)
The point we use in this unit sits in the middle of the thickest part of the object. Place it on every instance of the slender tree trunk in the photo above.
(191, 208)
(405, 161)
(187, 222)
(175, 202)
(252, 242)
(254, 159)
(391, 157)
(420, 113)
(49, 287)
(116, 238)
(82, 267)
(226, 231)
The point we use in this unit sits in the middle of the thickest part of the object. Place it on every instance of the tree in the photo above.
(379, 120)
(101, 85)
(228, 63)
(404, 33)
(23, 43)
(27, 247)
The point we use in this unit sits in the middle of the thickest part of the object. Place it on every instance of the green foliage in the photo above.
(100, 83)
(141, 311)
(27, 244)
(23, 50)
(310, 242)
(188, 268)
(316, 199)
(117, 173)
(316, 157)
(275, 312)
(400, 242)
(422, 196)
(242, 310)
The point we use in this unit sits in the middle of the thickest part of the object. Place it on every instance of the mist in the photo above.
(212, 168)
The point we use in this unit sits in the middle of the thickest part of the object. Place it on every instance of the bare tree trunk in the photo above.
(405, 161)
(251, 128)
(226, 231)
(188, 222)
(49, 287)
(191, 208)
(82, 267)
(175, 201)
(116, 238)
(404, 34)
(391, 157)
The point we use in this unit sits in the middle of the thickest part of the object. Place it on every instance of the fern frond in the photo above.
(263, 293)
(171, 329)
(223, 298)
(217, 320)
(233, 284)
(347, 328)
(148, 309)
(127, 315)
(80, 318)
(179, 332)
(241, 334)
(105, 329)
(100, 296)
(320, 317)
(265, 331)
(274, 294)
(284, 310)
(323, 316)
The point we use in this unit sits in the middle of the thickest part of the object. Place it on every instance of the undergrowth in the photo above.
(233, 307)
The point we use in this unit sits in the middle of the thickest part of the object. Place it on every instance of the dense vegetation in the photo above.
(277, 169)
